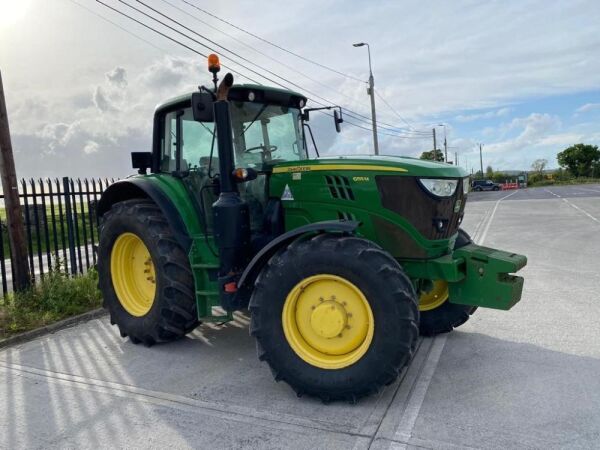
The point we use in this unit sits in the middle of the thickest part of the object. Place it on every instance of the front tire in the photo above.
(144, 274)
(438, 315)
(334, 317)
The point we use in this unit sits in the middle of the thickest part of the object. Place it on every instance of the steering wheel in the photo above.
(263, 148)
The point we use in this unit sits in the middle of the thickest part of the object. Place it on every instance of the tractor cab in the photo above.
(266, 129)
(265, 125)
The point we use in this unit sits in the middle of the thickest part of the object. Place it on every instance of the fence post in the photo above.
(70, 226)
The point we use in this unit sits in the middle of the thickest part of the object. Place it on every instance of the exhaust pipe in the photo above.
(231, 214)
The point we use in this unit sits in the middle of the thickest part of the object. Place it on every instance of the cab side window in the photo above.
(168, 143)
(196, 143)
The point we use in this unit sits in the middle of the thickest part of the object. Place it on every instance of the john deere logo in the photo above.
(457, 206)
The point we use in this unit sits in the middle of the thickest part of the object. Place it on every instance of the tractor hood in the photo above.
(399, 164)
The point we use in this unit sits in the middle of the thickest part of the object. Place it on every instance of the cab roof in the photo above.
(240, 92)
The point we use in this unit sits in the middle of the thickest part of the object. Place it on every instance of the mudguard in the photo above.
(142, 188)
(263, 256)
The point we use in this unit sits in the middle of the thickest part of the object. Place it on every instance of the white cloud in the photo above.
(538, 135)
(90, 147)
(474, 57)
(101, 100)
(588, 107)
(117, 77)
(502, 112)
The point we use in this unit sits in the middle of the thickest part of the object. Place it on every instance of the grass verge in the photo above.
(56, 297)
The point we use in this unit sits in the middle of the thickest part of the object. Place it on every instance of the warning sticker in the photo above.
(287, 194)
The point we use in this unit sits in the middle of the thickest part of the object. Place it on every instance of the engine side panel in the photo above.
(311, 196)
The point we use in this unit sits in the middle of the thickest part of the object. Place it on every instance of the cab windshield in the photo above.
(265, 134)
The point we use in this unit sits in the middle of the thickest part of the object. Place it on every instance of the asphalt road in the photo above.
(527, 378)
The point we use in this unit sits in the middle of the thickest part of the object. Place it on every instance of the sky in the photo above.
(520, 77)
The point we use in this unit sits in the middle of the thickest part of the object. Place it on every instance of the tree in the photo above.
(539, 165)
(489, 172)
(433, 155)
(579, 159)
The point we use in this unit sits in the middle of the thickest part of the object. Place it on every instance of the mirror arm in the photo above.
(203, 88)
(312, 138)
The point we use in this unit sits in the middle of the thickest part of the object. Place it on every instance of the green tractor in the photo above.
(341, 261)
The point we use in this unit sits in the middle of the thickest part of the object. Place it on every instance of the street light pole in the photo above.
(371, 92)
(481, 159)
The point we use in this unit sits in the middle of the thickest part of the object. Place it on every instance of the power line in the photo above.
(172, 39)
(118, 26)
(323, 66)
(266, 55)
(294, 54)
(398, 114)
(205, 56)
(349, 112)
(370, 130)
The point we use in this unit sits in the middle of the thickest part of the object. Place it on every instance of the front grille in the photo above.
(406, 197)
(339, 187)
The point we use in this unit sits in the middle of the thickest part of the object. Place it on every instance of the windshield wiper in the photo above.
(255, 117)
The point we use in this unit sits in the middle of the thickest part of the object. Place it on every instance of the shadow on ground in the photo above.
(522, 396)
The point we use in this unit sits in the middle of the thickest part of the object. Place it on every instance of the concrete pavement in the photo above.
(527, 378)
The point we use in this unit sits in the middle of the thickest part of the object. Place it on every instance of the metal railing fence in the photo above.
(61, 226)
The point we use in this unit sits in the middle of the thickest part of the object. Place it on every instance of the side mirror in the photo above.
(202, 106)
(337, 119)
(141, 161)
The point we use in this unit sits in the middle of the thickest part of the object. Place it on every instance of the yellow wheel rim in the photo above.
(328, 321)
(133, 275)
(435, 297)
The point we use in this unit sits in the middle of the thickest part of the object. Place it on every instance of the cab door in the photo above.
(195, 142)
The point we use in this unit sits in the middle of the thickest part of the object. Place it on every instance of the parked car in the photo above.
(485, 185)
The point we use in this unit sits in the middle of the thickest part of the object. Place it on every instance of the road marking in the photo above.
(278, 421)
(550, 192)
(588, 189)
(416, 398)
(574, 205)
(481, 223)
(415, 402)
(487, 227)
(581, 210)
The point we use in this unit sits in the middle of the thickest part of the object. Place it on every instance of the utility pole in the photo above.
(481, 158)
(434, 142)
(445, 142)
(445, 146)
(371, 92)
(456, 158)
(12, 205)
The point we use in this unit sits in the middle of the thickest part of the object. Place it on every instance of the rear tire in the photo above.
(169, 311)
(349, 261)
(447, 316)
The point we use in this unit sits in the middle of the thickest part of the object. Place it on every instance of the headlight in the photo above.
(466, 184)
(439, 188)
